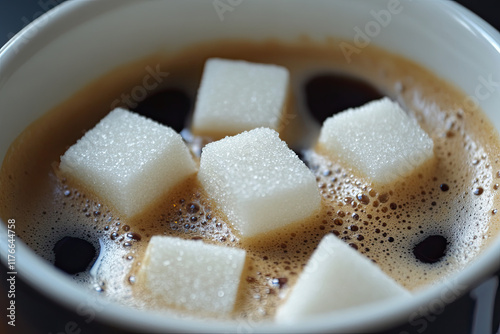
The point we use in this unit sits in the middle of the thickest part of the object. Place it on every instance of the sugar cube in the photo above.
(235, 96)
(128, 161)
(192, 275)
(379, 140)
(258, 182)
(337, 277)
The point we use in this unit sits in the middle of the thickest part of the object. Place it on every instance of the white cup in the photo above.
(79, 41)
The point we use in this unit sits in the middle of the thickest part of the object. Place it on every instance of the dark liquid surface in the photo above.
(169, 107)
(387, 225)
(74, 255)
(431, 250)
(329, 94)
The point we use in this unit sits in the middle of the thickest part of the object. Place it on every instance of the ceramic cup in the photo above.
(81, 40)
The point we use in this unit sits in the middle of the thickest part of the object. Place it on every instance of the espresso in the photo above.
(421, 231)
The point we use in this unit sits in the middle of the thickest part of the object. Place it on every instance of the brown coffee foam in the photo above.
(29, 188)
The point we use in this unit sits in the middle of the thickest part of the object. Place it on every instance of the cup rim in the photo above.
(51, 286)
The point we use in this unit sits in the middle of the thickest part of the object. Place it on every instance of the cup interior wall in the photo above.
(79, 41)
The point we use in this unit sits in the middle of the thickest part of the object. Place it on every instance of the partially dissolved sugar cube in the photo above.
(378, 139)
(235, 96)
(129, 161)
(337, 277)
(192, 275)
(258, 182)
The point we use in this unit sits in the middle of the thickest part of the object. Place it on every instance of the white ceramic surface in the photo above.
(80, 40)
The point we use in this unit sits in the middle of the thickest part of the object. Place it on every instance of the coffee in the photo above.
(418, 233)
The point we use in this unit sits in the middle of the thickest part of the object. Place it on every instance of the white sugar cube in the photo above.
(128, 161)
(258, 182)
(235, 96)
(337, 277)
(379, 140)
(192, 275)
